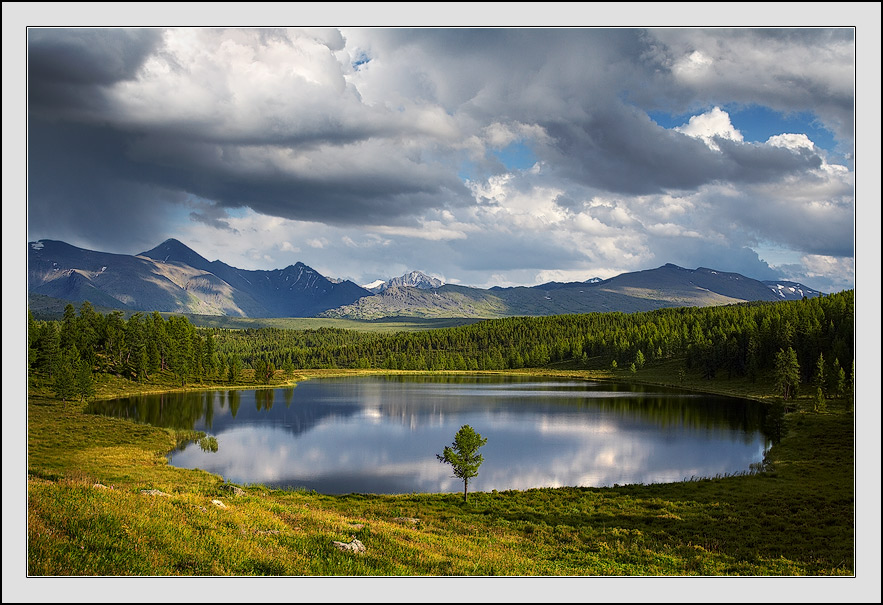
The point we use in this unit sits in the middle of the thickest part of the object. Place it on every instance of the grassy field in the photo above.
(388, 324)
(91, 511)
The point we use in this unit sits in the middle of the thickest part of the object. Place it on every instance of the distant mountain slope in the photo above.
(666, 286)
(60, 270)
(295, 291)
(174, 278)
(447, 301)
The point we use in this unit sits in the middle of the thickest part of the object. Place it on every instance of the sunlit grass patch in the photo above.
(93, 509)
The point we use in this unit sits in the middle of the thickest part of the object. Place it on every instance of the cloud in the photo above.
(212, 216)
(710, 125)
(68, 67)
(786, 69)
(387, 141)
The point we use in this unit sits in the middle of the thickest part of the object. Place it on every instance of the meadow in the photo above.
(102, 501)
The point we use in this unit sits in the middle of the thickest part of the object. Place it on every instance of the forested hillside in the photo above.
(815, 336)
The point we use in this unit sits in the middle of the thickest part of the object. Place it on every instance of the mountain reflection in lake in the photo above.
(380, 434)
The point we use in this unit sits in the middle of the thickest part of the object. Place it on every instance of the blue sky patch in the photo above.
(758, 123)
(516, 156)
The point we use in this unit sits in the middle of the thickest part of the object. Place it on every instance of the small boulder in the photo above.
(236, 491)
(219, 504)
(354, 546)
(154, 492)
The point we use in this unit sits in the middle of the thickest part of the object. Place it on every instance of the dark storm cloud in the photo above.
(346, 188)
(82, 189)
(213, 216)
(298, 150)
(754, 163)
(130, 181)
(621, 152)
(624, 152)
(66, 66)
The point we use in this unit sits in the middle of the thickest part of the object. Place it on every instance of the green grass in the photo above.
(386, 324)
(793, 519)
(48, 308)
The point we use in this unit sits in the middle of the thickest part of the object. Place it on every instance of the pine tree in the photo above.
(462, 455)
(852, 384)
(820, 403)
(32, 341)
(787, 373)
(836, 379)
(235, 368)
(819, 379)
(85, 384)
(260, 370)
(65, 383)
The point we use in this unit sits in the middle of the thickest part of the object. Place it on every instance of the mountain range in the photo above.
(173, 278)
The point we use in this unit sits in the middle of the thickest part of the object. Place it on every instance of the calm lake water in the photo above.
(381, 434)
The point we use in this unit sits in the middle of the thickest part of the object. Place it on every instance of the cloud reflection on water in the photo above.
(381, 436)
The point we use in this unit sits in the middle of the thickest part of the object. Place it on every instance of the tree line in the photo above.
(70, 351)
(810, 341)
(737, 340)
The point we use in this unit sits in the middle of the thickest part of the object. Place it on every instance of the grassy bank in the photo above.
(103, 501)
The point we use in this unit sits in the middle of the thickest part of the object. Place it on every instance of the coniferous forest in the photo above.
(808, 341)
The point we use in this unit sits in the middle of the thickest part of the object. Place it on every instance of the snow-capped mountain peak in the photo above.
(413, 279)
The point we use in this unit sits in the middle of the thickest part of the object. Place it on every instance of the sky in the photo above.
(502, 156)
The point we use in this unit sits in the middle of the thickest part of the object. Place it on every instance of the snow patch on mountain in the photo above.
(414, 279)
(791, 290)
(375, 285)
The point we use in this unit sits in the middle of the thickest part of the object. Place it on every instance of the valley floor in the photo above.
(103, 502)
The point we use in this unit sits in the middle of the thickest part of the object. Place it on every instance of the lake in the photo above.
(380, 434)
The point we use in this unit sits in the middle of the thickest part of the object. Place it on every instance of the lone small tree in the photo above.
(462, 455)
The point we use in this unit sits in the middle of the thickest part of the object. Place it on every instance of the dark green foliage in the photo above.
(85, 385)
(819, 378)
(64, 384)
(234, 368)
(463, 455)
(737, 340)
(836, 380)
(787, 373)
(741, 340)
(70, 351)
(820, 405)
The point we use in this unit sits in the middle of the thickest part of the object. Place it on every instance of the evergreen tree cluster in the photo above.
(740, 340)
(68, 352)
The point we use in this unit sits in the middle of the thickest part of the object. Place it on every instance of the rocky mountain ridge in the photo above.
(174, 278)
